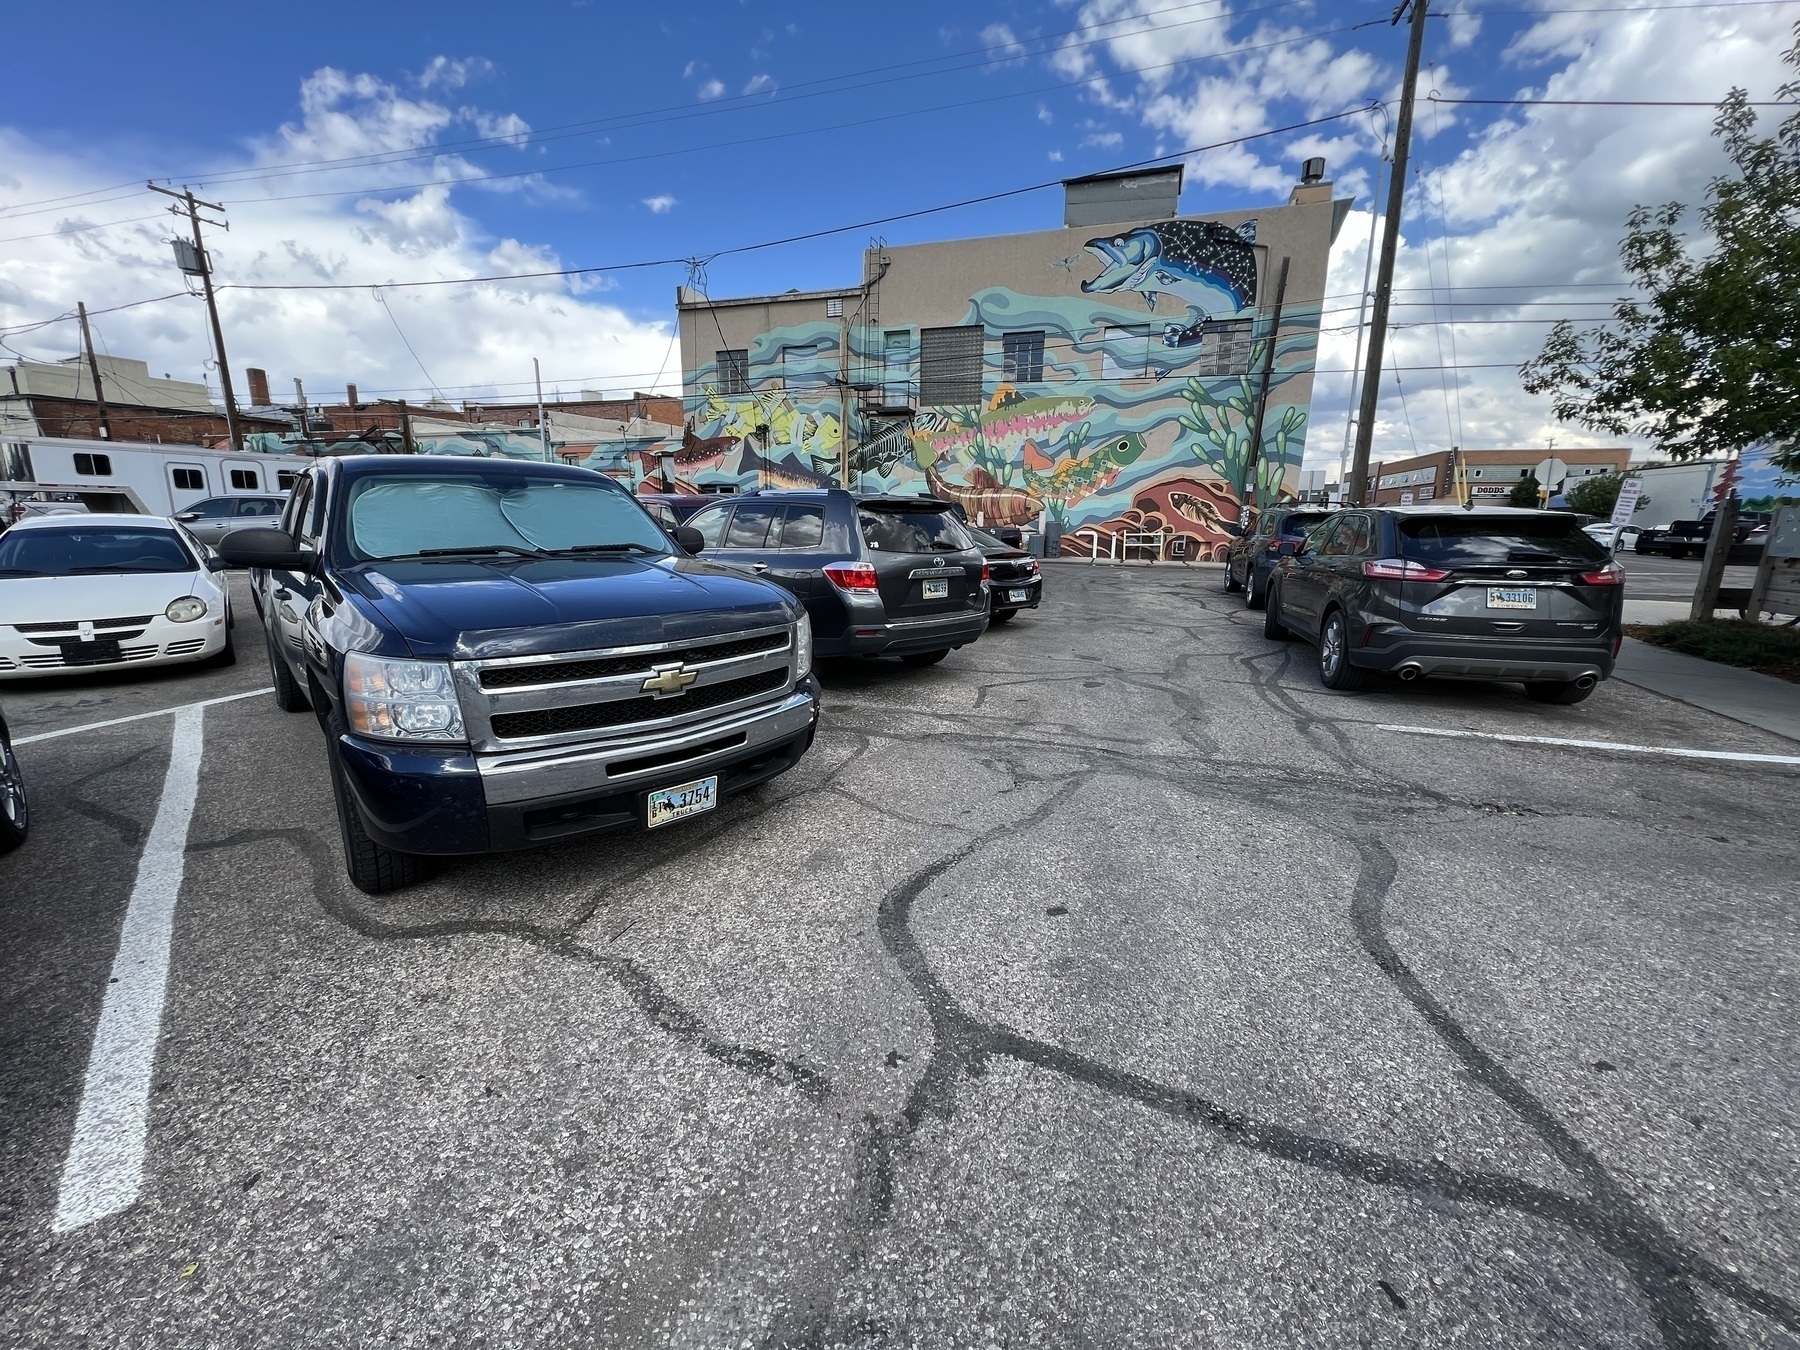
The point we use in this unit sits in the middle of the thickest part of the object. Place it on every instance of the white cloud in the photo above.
(661, 204)
(712, 89)
(447, 73)
(756, 84)
(1105, 140)
(1056, 157)
(687, 71)
(1004, 48)
(1044, 115)
(479, 337)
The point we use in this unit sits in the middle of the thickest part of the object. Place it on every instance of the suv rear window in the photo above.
(900, 530)
(1492, 541)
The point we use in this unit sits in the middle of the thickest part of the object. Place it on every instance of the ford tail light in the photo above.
(857, 576)
(1610, 575)
(1401, 569)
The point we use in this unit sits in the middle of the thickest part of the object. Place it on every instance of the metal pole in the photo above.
(1390, 244)
(212, 306)
(1249, 494)
(843, 400)
(300, 397)
(543, 425)
(87, 343)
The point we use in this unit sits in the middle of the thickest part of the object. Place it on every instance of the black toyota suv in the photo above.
(880, 576)
(505, 653)
(1484, 594)
(1253, 555)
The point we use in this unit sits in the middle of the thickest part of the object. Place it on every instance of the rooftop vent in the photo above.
(1313, 171)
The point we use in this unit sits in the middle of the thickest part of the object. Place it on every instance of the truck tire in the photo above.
(373, 868)
(289, 696)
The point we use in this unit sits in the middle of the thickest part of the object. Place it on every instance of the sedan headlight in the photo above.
(186, 609)
(401, 700)
(803, 645)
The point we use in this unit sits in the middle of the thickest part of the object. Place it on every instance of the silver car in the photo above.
(211, 520)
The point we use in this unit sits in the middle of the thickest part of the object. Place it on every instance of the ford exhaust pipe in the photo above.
(1409, 673)
(1586, 682)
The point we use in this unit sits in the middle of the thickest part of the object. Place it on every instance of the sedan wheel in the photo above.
(1231, 582)
(1335, 670)
(15, 811)
(1255, 597)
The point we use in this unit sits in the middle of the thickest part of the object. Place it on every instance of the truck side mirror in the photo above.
(690, 539)
(261, 547)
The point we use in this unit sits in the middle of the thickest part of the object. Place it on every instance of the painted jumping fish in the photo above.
(1003, 432)
(1207, 264)
(786, 472)
(1093, 471)
(985, 500)
(1197, 509)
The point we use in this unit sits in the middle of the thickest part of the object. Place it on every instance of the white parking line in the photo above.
(139, 717)
(1679, 752)
(105, 1167)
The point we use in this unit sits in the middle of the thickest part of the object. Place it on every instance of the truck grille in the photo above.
(620, 712)
(567, 672)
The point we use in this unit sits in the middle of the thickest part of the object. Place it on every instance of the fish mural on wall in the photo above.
(1210, 266)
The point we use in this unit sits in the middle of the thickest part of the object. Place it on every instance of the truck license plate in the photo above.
(690, 799)
(937, 590)
(1018, 597)
(1512, 597)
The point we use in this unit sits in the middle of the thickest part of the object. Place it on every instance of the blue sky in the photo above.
(623, 133)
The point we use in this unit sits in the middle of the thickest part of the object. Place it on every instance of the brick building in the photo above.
(56, 398)
(1492, 473)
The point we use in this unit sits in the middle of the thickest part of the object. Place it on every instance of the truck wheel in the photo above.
(15, 810)
(1273, 628)
(1557, 691)
(373, 868)
(1335, 670)
(925, 658)
(289, 696)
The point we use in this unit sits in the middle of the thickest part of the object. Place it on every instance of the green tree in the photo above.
(1595, 496)
(1524, 492)
(1706, 361)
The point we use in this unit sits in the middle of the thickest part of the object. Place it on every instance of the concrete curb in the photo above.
(1742, 695)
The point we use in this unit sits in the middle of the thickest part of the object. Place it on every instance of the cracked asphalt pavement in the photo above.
(1109, 984)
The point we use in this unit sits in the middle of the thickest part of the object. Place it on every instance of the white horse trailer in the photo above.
(150, 479)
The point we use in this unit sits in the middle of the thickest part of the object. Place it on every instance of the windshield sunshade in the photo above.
(1496, 541)
(402, 517)
(93, 549)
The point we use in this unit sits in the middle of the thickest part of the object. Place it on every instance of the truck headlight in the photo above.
(401, 700)
(186, 609)
(803, 646)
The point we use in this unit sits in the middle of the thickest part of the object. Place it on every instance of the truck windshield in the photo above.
(408, 515)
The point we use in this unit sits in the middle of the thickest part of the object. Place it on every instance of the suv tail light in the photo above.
(987, 573)
(1399, 569)
(1610, 575)
(857, 576)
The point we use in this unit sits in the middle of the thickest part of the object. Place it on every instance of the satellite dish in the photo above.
(1550, 474)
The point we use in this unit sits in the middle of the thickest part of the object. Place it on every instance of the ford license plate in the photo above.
(1512, 597)
(690, 799)
(1018, 597)
(937, 590)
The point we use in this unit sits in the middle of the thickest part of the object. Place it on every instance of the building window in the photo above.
(15, 463)
(950, 365)
(95, 466)
(1225, 347)
(1124, 353)
(800, 371)
(834, 308)
(734, 370)
(1023, 356)
(244, 480)
(896, 366)
(188, 480)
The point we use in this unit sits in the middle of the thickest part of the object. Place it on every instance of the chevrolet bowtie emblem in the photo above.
(670, 680)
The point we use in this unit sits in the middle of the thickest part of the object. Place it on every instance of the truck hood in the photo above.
(467, 610)
(113, 595)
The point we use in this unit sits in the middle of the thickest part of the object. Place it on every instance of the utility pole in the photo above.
(543, 425)
(87, 342)
(1390, 243)
(843, 400)
(200, 265)
(1249, 494)
(300, 396)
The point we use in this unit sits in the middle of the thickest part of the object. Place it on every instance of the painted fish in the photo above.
(1205, 263)
(1003, 432)
(1197, 509)
(786, 472)
(1176, 335)
(1091, 472)
(990, 503)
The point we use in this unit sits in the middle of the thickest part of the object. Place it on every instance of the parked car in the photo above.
(212, 519)
(1488, 594)
(1688, 538)
(15, 809)
(1252, 556)
(505, 653)
(1613, 538)
(669, 509)
(1015, 581)
(99, 591)
(881, 576)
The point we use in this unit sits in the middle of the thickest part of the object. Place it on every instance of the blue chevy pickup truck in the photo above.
(504, 654)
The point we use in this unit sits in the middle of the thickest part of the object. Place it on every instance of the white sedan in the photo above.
(100, 591)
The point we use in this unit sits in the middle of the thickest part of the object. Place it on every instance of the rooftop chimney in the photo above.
(350, 397)
(259, 386)
(1312, 186)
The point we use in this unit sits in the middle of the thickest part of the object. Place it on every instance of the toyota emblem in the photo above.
(937, 562)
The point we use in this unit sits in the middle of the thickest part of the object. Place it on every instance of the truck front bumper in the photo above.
(455, 802)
